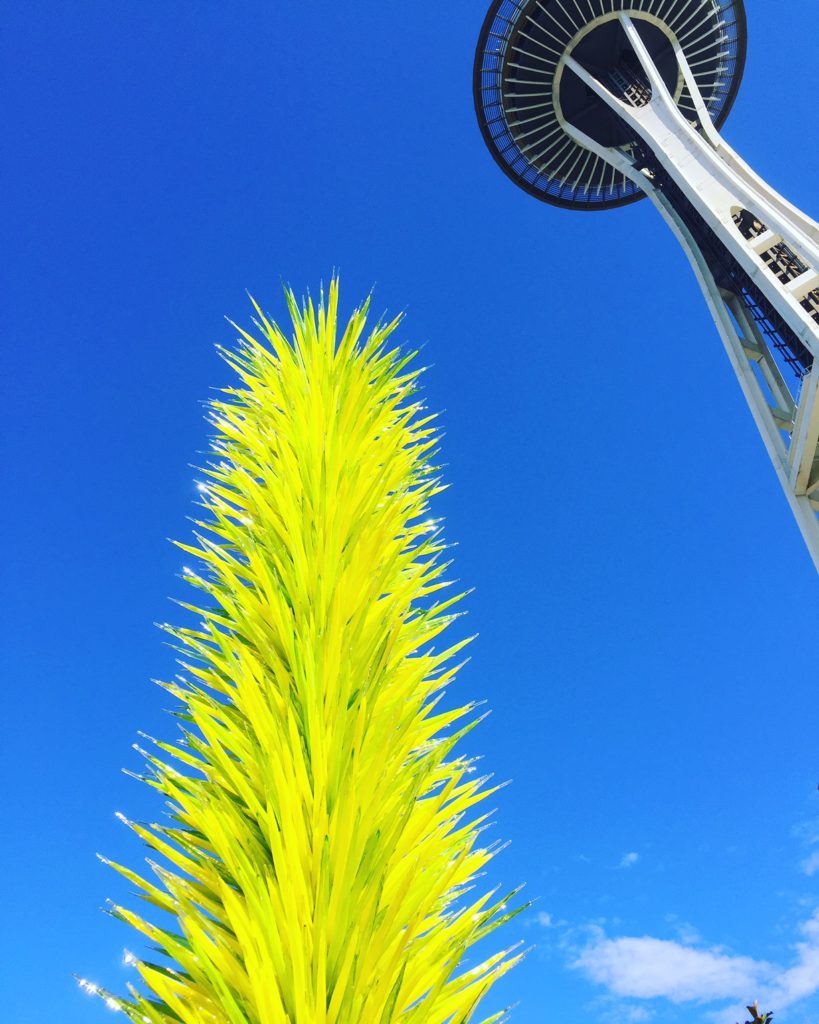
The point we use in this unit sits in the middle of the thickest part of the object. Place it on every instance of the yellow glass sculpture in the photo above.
(322, 839)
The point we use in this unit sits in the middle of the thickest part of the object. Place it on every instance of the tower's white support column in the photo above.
(775, 246)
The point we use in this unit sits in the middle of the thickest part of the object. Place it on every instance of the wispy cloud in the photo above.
(807, 832)
(637, 1014)
(802, 979)
(546, 920)
(651, 968)
(628, 860)
(689, 936)
(810, 865)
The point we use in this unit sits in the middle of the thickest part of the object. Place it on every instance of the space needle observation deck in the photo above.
(592, 104)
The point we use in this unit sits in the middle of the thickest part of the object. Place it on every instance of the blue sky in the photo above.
(645, 605)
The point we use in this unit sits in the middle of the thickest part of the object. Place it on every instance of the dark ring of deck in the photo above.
(518, 51)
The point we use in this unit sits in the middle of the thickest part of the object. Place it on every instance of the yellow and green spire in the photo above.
(318, 863)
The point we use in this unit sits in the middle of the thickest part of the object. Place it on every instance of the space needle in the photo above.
(592, 104)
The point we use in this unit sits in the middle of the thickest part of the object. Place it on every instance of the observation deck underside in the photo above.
(523, 95)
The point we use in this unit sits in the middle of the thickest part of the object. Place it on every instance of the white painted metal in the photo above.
(719, 184)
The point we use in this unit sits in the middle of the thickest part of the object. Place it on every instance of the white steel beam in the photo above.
(718, 185)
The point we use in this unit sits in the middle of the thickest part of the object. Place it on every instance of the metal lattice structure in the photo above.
(591, 104)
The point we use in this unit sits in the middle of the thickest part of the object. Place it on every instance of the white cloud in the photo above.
(646, 968)
(636, 1014)
(689, 936)
(546, 920)
(802, 979)
(650, 968)
(807, 832)
(628, 860)
(619, 1011)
